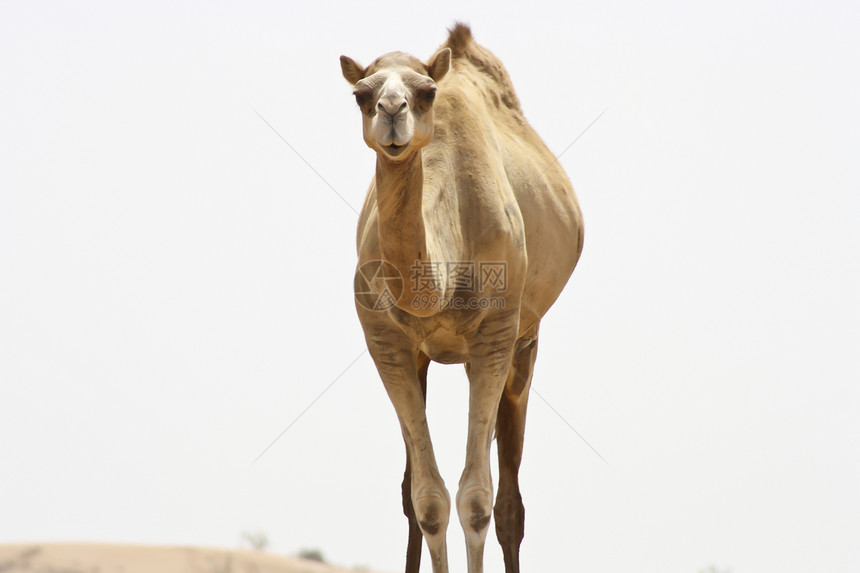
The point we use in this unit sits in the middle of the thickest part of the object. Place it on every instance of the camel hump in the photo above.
(459, 39)
(464, 48)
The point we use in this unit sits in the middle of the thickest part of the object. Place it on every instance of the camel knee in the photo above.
(432, 511)
(475, 506)
(510, 517)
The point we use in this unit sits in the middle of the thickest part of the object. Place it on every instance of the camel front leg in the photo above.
(413, 548)
(488, 370)
(430, 502)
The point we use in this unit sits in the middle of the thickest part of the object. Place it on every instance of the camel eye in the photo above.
(428, 93)
(361, 97)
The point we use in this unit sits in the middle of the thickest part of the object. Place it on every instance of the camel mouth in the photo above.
(394, 150)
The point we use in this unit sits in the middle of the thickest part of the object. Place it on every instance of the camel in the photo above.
(469, 232)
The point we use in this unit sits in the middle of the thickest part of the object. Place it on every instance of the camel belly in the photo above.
(445, 348)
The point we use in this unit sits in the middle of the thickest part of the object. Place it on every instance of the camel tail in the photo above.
(465, 48)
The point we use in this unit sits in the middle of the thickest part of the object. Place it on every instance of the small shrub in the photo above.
(258, 540)
(713, 569)
(312, 555)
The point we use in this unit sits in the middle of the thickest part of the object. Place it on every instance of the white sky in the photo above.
(176, 282)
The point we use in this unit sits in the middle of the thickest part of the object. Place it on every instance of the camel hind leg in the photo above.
(509, 512)
(414, 545)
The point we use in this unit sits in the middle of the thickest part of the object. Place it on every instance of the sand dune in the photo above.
(98, 558)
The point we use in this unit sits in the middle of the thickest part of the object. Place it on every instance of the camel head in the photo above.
(395, 94)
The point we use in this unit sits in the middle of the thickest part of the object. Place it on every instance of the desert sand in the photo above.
(103, 558)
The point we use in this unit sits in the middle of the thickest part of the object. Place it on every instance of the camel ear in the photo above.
(440, 64)
(351, 70)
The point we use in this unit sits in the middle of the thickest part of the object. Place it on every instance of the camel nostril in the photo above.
(391, 107)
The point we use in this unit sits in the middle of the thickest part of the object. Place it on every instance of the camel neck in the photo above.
(402, 233)
(399, 187)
